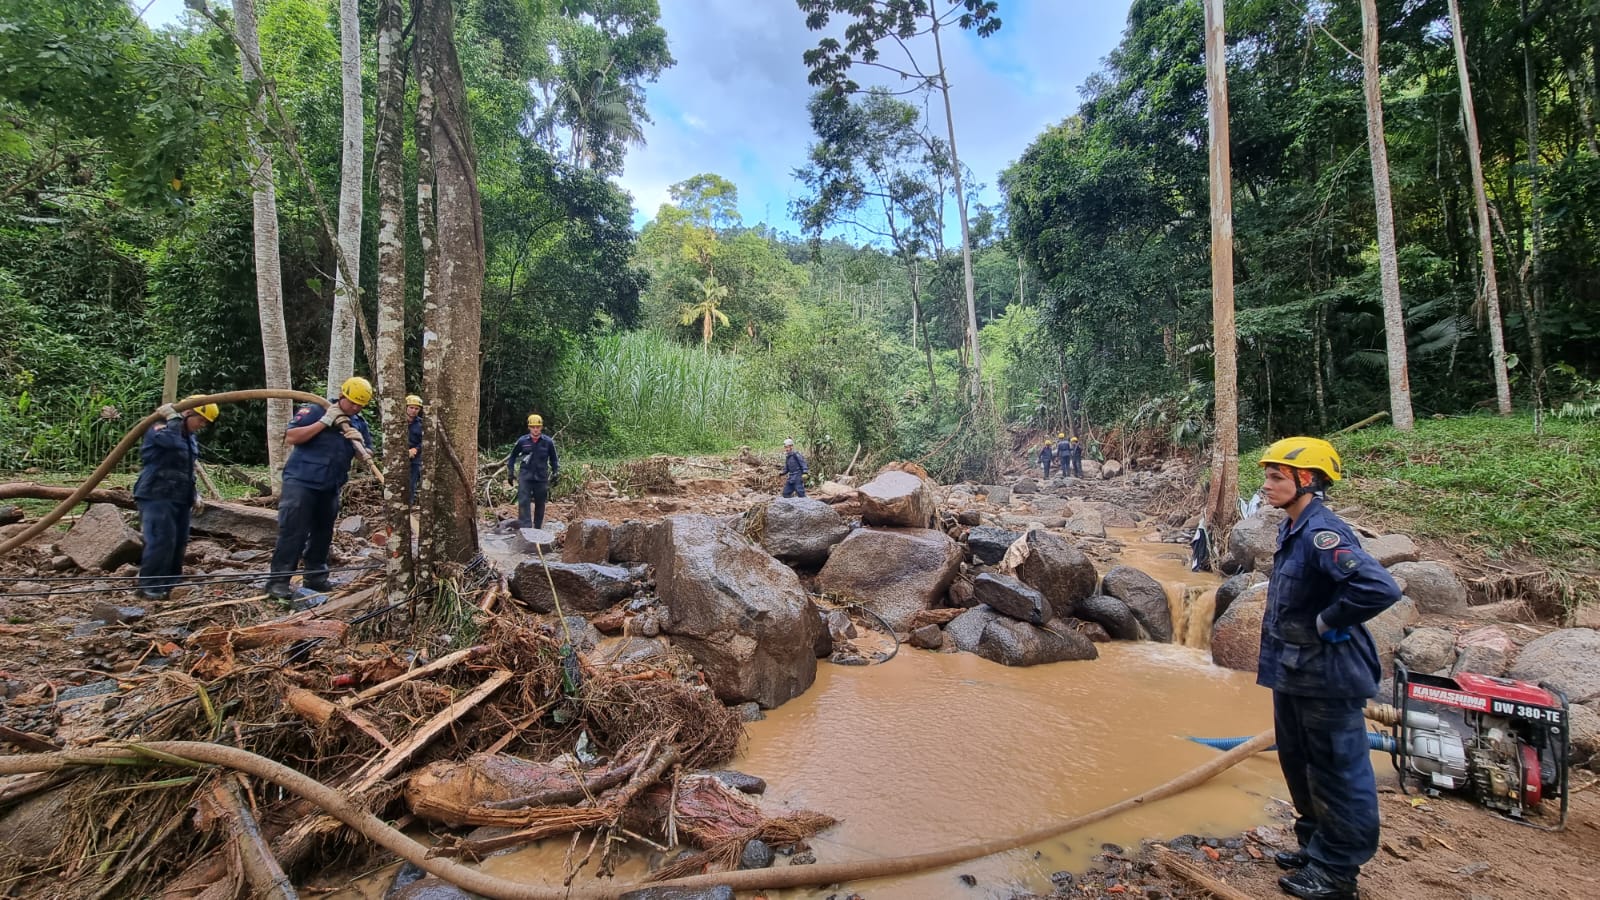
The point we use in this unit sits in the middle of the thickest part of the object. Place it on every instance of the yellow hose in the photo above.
(340, 807)
(127, 442)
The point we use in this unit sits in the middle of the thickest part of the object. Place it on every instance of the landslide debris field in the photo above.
(479, 720)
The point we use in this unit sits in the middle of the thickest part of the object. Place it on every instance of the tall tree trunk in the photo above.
(389, 161)
(346, 289)
(1533, 294)
(453, 320)
(927, 343)
(269, 278)
(1491, 289)
(961, 208)
(434, 466)
(1394, 325)
(1223, 503)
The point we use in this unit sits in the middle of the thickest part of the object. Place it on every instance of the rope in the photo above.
(126, 444)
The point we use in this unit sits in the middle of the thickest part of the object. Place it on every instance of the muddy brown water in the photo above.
(936, 750)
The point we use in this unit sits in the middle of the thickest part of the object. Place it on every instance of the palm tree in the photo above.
(712, 293)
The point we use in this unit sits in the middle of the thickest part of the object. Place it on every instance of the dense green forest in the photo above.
(126, 235)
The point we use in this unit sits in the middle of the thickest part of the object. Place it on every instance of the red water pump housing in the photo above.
(1503, 742)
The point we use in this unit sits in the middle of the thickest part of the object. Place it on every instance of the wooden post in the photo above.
(169, 380)
(1223, 507)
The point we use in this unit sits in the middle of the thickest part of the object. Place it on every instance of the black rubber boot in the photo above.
(1291, 859)
(279, 589)
(1316, 883)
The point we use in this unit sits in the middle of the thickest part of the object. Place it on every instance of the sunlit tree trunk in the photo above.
(346, 302)
(1534, 294)
(1394, 324)
(961, 208)
(1223, 504)
(452, 316)
(389, 164)
(433, 464)
(1491, 289)
(269, 279)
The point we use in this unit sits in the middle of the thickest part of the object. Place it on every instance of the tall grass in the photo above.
(640, 392)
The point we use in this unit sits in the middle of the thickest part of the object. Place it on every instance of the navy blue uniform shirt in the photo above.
(414, 439)
(324, 461)
(538, 458)
(168, 455)
(794, 464)
(1321, 570)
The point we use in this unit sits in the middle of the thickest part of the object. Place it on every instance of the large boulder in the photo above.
(1433, 585)
(1004, 640)
(1389, 549)
(1584, 729)
(741, 614)
(101, 539)
(1236, 636)
(1111, 614)
(1566, 659)
(797, 530)
(587, 541)
(898, 498)
(1025, 486)
(1253, 541)
(1430, 651)
(245, 524)
(1485, 651)
(1086, 521)
(989, 544)
(998, 494)
(1111, 468)
(1230, 590)
(1388, 629)
(581, 587)
(631, 540)
(895, 572)
(1008, 596)
(1053, 567)
(1145, 597)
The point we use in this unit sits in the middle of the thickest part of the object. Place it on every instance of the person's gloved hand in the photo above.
(511, 478)
(169, 412)
(1332, 635)
(334, 418)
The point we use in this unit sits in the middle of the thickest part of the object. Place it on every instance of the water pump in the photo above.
(1502, 742)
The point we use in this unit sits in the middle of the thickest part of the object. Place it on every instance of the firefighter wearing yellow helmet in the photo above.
(1321, 665)
(414, 443)
(325, 441)
(166, 494)
(535, 453)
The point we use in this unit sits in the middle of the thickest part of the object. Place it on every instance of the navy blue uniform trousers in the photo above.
(1322, 749)
(164, 524)
(305, 530)
(536, 493)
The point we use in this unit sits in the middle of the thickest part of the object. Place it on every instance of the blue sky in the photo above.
(735, 104)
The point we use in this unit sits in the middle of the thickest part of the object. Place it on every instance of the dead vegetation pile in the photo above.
(401, 709)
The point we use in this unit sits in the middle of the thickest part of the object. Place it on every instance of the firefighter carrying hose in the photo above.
(1322, 666)
(166, 495)
(324, 441)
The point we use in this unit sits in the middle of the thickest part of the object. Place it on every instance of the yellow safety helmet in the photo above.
(357, 390)
(414, 400)
(207, 411)
(1074, 439)
(1061, 434)
(535, 419)
(1305, 453)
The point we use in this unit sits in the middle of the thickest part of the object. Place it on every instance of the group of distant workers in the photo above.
(1065, 452)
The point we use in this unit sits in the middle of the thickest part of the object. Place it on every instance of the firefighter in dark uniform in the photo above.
(1063, 454)
(1077, 456)
(166, 495)
(1322, 666)
(1045, 455)
(414, 442)
(324, 441)
(794, 470)
(536, 452)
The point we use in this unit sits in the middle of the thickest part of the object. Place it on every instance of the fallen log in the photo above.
(319, 711)
(28, 490)
(484, 786)
(1188, 872)
(438, 665)
(225, 803)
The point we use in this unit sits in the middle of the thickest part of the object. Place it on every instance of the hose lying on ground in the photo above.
(340, 807)
(1376, 740)
(126, 444)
